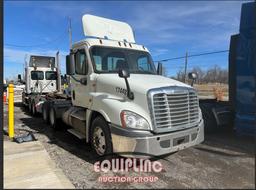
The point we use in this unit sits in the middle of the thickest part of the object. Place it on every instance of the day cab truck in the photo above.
(119, 101)
(40, 79)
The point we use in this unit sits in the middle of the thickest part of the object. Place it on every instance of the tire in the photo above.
(54, 122)
(45, 113)
(30, 106)
(210, 124)
(100, 137)
(33, 109)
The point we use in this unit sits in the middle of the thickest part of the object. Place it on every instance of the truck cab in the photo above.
(40, 78)
(120, 102)
(41, 75)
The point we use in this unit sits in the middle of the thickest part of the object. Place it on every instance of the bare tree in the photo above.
(180, 75)
(211, 75)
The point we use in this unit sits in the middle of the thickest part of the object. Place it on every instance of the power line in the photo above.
(192, 55)
(192, 64)
(37, 45)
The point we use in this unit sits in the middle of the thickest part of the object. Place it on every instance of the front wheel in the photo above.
(101, 137)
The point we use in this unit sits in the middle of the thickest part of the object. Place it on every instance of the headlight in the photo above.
(133, 120)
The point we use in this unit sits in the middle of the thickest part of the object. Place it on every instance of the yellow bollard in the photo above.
(11, 111)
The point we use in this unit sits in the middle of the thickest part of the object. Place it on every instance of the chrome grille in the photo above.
(174, 108)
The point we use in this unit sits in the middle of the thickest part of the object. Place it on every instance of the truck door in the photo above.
(80, 81)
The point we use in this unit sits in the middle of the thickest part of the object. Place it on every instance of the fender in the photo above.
(89, 116)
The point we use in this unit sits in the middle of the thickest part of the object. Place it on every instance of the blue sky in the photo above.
(166, 28)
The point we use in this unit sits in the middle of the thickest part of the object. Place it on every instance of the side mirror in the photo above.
(19, 77)
(70, 60)
(160, 68)
(193, 77)
(5, 87)
(123, 73)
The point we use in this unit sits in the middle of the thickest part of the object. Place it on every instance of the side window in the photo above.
(81, 62)
(143, 64)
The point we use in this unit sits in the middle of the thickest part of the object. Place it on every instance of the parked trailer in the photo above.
(239, 113)
(119, 102)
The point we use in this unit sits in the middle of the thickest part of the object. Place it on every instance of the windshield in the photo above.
(110, 60)
(37, 75)
(51, 75)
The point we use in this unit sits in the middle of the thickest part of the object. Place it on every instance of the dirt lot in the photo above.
(222, 161)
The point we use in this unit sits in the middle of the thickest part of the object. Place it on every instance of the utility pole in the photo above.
(58, 72)
(186, 65)
(70, 34)
(25, 65)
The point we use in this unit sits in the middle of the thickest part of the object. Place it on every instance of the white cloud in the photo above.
(16, 56)
(164, 23)
(159, 51)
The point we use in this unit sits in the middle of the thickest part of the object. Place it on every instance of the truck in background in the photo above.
(40, 79)
(119, 101)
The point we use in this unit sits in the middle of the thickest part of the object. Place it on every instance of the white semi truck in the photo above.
(40, 79)
(119, 101)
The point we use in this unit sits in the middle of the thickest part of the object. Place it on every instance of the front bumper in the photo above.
(145, 142)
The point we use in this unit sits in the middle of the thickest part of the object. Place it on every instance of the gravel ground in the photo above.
(222, 161)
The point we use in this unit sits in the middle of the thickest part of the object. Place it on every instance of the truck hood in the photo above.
(110, 94)
(139, 82)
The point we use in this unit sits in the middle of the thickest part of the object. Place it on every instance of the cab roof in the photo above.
(92, 41)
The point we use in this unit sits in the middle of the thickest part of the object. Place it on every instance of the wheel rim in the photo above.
(99, 141)
(52, 120)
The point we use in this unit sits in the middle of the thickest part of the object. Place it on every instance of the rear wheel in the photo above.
(45, 113)
(210, 124)
(30, 106)
(53, 119)
(101, 137)
(33, 108)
